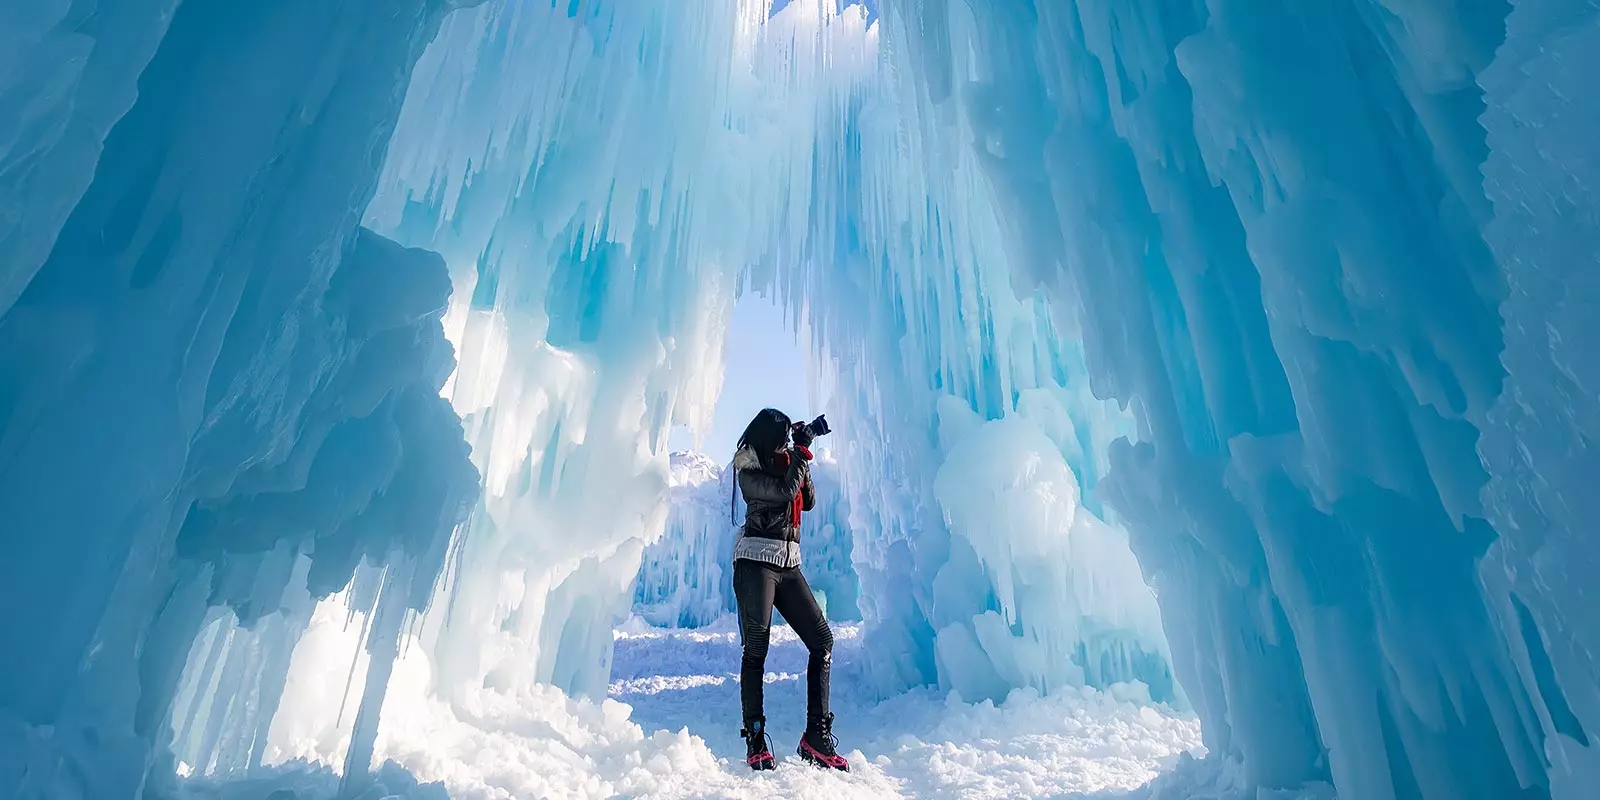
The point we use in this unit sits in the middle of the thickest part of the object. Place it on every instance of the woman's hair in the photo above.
(766, 434)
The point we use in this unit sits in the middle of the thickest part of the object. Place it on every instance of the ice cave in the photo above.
(1211, 419)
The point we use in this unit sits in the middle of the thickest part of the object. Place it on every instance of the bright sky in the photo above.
(872, 10)
(766, 367)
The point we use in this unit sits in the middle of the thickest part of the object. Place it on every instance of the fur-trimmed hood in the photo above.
(746, 458)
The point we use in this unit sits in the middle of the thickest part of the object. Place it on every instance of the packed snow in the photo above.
(668, 728)
(918, 744)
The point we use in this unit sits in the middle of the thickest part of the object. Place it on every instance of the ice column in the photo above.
(948, 386)
(583, 168)
(1268, 223)
(383, 646)
(192, 330)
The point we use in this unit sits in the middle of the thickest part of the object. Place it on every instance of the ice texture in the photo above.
(1538, 437)
(597, 263)
(1068, 604)
(217, 392)
(1288, 302)
(590, 297)
(62, 88)
(1285, 239)
(685, 578)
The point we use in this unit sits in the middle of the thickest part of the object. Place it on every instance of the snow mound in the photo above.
(1219, 779)
(302, 780)
(690, 468)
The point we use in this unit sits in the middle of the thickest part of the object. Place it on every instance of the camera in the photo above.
(814, 428)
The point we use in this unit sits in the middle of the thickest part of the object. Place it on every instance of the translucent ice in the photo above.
(1293, 301)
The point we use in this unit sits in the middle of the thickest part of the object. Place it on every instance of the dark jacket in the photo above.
(774, 498)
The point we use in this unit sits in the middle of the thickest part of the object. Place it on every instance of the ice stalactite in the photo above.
(599, 214)
(1287, 298)
(383, 647)
(1268, 225)
(906, 262)
(259, 644)
(582, 165)
(193, 333)
(378, 480)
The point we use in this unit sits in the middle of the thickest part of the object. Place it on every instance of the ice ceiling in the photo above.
(1244, 345)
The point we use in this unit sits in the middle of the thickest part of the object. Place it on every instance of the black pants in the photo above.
(758, 588)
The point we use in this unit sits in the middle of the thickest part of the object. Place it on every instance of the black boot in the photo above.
(819, 748)
(758, 748)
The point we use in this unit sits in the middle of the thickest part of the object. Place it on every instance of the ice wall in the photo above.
(827, 544)
(553, 166)
(206, 368)
(64, 85)
(906, 279)
(686, 577)
(1287, 297)
(600, 176)
(1268, 225)
(1538, 440)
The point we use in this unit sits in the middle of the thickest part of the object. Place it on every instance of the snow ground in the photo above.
(915, 745)
(680, 686)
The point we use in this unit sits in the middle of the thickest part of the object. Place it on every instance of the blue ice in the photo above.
(1241, 350)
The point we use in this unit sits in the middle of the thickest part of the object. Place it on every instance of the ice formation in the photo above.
(1233, 347)
(217, 391)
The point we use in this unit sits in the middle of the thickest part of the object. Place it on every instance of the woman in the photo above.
(775, 480)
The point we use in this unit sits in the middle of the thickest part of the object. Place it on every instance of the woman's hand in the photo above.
(802, 437)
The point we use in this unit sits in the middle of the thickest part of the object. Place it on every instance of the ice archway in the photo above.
(604, 210)
(1291, 293)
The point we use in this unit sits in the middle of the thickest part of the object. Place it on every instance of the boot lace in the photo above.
(823, 739)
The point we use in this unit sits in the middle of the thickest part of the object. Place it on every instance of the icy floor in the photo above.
(670, 730)
(915, 745)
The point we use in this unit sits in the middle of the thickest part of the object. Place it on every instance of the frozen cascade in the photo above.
(571, 377)
(598, 297)
(685, 577)
(1270, 227)
(907, 266)
(217, 392)
(1288, 299)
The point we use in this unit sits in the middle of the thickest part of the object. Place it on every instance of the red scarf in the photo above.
(780, 463)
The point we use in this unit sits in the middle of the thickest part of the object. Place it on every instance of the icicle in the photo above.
(387, 621)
